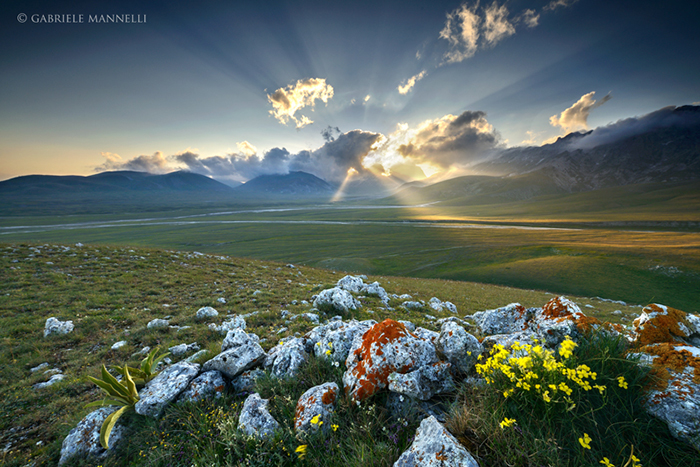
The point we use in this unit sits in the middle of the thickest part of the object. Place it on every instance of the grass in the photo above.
(111, 292)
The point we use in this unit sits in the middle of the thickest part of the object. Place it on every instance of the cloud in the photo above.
(451, 140)
(496, 24)
(329, 133)
(684, 116)
(530, 18)
(333, 160)
(246, 148)
(367, 97)
(286, 102)
(238, 167)
(576, 117)
(405, 88)
(155, 163)
(554, 4)
(461, 31)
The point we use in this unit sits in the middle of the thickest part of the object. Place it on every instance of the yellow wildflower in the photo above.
(621, 382)
(585, 441)
(317, 420)
(328, 353)
(335, 427)
(301, 451)
(606, 462)
(507, 422)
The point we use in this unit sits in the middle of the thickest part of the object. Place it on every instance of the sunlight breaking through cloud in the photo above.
(287, 101)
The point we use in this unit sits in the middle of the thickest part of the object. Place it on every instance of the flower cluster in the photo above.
(533, 369)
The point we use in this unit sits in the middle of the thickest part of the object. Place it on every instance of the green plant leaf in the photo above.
(108, 424)
(106, 387)
(106, 401)
(130, 385)
(112, 381)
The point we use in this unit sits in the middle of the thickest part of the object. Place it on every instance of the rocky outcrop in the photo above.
(459, 347)
(424, 382)
(284, 359)
(240, 352)
(505, 320)
(386, 348)
(336, 300)
(255, 420)
(434, 446)
(84, 439)
(315, 407)
(164, 388)
(54, 327)
(334, 340)
(208, 385)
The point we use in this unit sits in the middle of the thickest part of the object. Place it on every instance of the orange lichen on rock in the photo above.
(329, 397)
(387, 347)
(558, 307)
(588, 323)
(670, 358)
(662, 326)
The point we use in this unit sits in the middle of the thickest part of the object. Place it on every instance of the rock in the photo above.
(206, 312)
(245, 382)
(118, 345)
(459, 347)
(208, 385)
(386, 348)
(158, 324)
(435, 303)
(334, 339)
(505, 320)
(55, 327)
(409, 325)
(558, 318)
(351, 284)
(376, 290)
(451, 307)
(40, 367)
(195, 357)
(659, 323)
(336, 299)
(143, 351)
(240, 352)
(434, 446)
(507, 340)
(313, 317)
(408, 408)
(84, 439)
(424, 382)
(53, 380)
(427, 335)
(182, 349)
(165, 388)
(677, 400)
(316, 405)
(236, 322)
(221, 300)
(285, 359)
(255, 420)
(409, 305)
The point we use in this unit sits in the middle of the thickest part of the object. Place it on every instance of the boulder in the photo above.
(84, 439)
(336, 299)
(659, 323)
(255, 420)
(165, 388)
(315, 407)
(434, 446)
(505, 320)
(558, 318)
(334, 339)
(236, 322)
(409, 408)
(377, 290)
(240, 352)
(55, 327)
(206, 312)
(182, 349)
(284, 359)
(157, 324)
(459, 347)
(424, 382)
(208, 385)
(351, 284)
(196, 356)
(53, 380)
(386, 348)
(427, 335)
(118, 345)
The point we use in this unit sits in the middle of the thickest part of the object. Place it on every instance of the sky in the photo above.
(410, 88)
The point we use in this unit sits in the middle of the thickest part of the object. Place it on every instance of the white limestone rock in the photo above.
(336, 299)
(434, 446)
(255, 420)
(459, 347)
(424, 382)
(208, 385)
(206, 312)
(285, 359)
(84, 439)
(505, 320)
(55, 327)
(235, 322)
(240, 352)
(157, 324)
(318, 401)
(165, 388)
